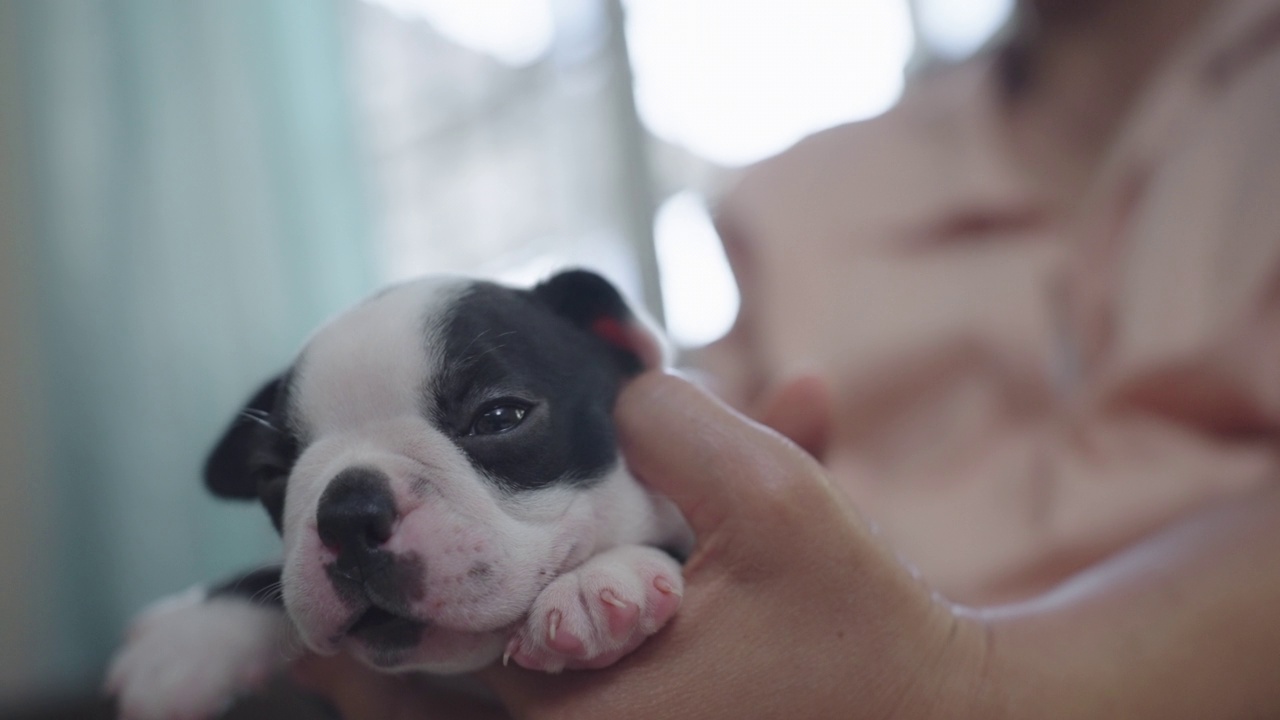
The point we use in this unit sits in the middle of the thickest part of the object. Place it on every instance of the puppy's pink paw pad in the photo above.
(599, 612)
(620, 615)
(561, 639)
(663, 604)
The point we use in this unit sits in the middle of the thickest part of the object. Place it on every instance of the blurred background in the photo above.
(188, 187)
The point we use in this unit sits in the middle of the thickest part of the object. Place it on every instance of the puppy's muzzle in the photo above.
(355, 519)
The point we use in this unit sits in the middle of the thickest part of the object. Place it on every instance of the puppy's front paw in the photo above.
(596, 614)
(188, 657)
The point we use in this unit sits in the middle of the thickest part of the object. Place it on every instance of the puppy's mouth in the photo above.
(383, 629)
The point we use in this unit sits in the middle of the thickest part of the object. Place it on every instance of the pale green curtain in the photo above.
(188, 180)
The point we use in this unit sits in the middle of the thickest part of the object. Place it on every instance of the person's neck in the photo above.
(1071, 72)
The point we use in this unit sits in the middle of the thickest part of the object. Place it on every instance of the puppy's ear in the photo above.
(226, 470)
(594, 305)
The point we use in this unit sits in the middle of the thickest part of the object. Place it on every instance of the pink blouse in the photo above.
(1017, 396)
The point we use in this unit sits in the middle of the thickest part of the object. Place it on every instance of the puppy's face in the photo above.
(435, 457)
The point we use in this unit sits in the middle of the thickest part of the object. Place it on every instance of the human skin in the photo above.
(793, 607)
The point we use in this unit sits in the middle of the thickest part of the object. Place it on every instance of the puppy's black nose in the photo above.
(356, 512)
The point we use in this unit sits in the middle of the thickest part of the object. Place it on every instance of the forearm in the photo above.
(1184, 625)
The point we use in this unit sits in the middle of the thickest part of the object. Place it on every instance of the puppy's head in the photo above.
(438, 454)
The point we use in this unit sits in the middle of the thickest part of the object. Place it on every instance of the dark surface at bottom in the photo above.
(280, 701)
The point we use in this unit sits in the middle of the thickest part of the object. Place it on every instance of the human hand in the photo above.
(361, 693)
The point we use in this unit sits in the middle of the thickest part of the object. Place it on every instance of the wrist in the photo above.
(1029, 668)
(967, 684)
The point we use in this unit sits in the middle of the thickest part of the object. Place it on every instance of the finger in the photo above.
(360, 693)
(625, 692)
(313, 672)
(711, 461)
(356, 691)
(800, 409)
(529, 691)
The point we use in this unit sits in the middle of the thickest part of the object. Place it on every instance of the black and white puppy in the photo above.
(440, 462)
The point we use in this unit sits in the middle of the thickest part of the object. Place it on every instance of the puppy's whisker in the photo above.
(469, 360)
(474, 358)
(272, 591)
(259, 417)
(474, 340)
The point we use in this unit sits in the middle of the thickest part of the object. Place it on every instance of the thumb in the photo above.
(711, 461)
(801, 410)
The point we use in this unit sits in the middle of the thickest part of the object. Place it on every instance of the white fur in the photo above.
(189, 656)
(368, 363)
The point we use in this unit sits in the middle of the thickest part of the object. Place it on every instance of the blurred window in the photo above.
(736, 81)
(954, 29)
(508, 138)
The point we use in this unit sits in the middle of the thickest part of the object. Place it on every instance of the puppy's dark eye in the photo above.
(497, 419)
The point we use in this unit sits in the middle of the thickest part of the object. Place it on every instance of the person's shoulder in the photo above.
(923, 121)
(919, 155)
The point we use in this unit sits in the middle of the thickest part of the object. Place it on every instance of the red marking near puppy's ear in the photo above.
(611, 330)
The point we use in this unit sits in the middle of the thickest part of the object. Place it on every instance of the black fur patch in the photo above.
(261, 587)
(388, 638)
(390, 581)
(256, 452)
(505, 345)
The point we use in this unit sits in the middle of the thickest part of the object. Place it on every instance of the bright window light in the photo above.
(515, 32)
(699, 295)
(955, 29)
(738, 80)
